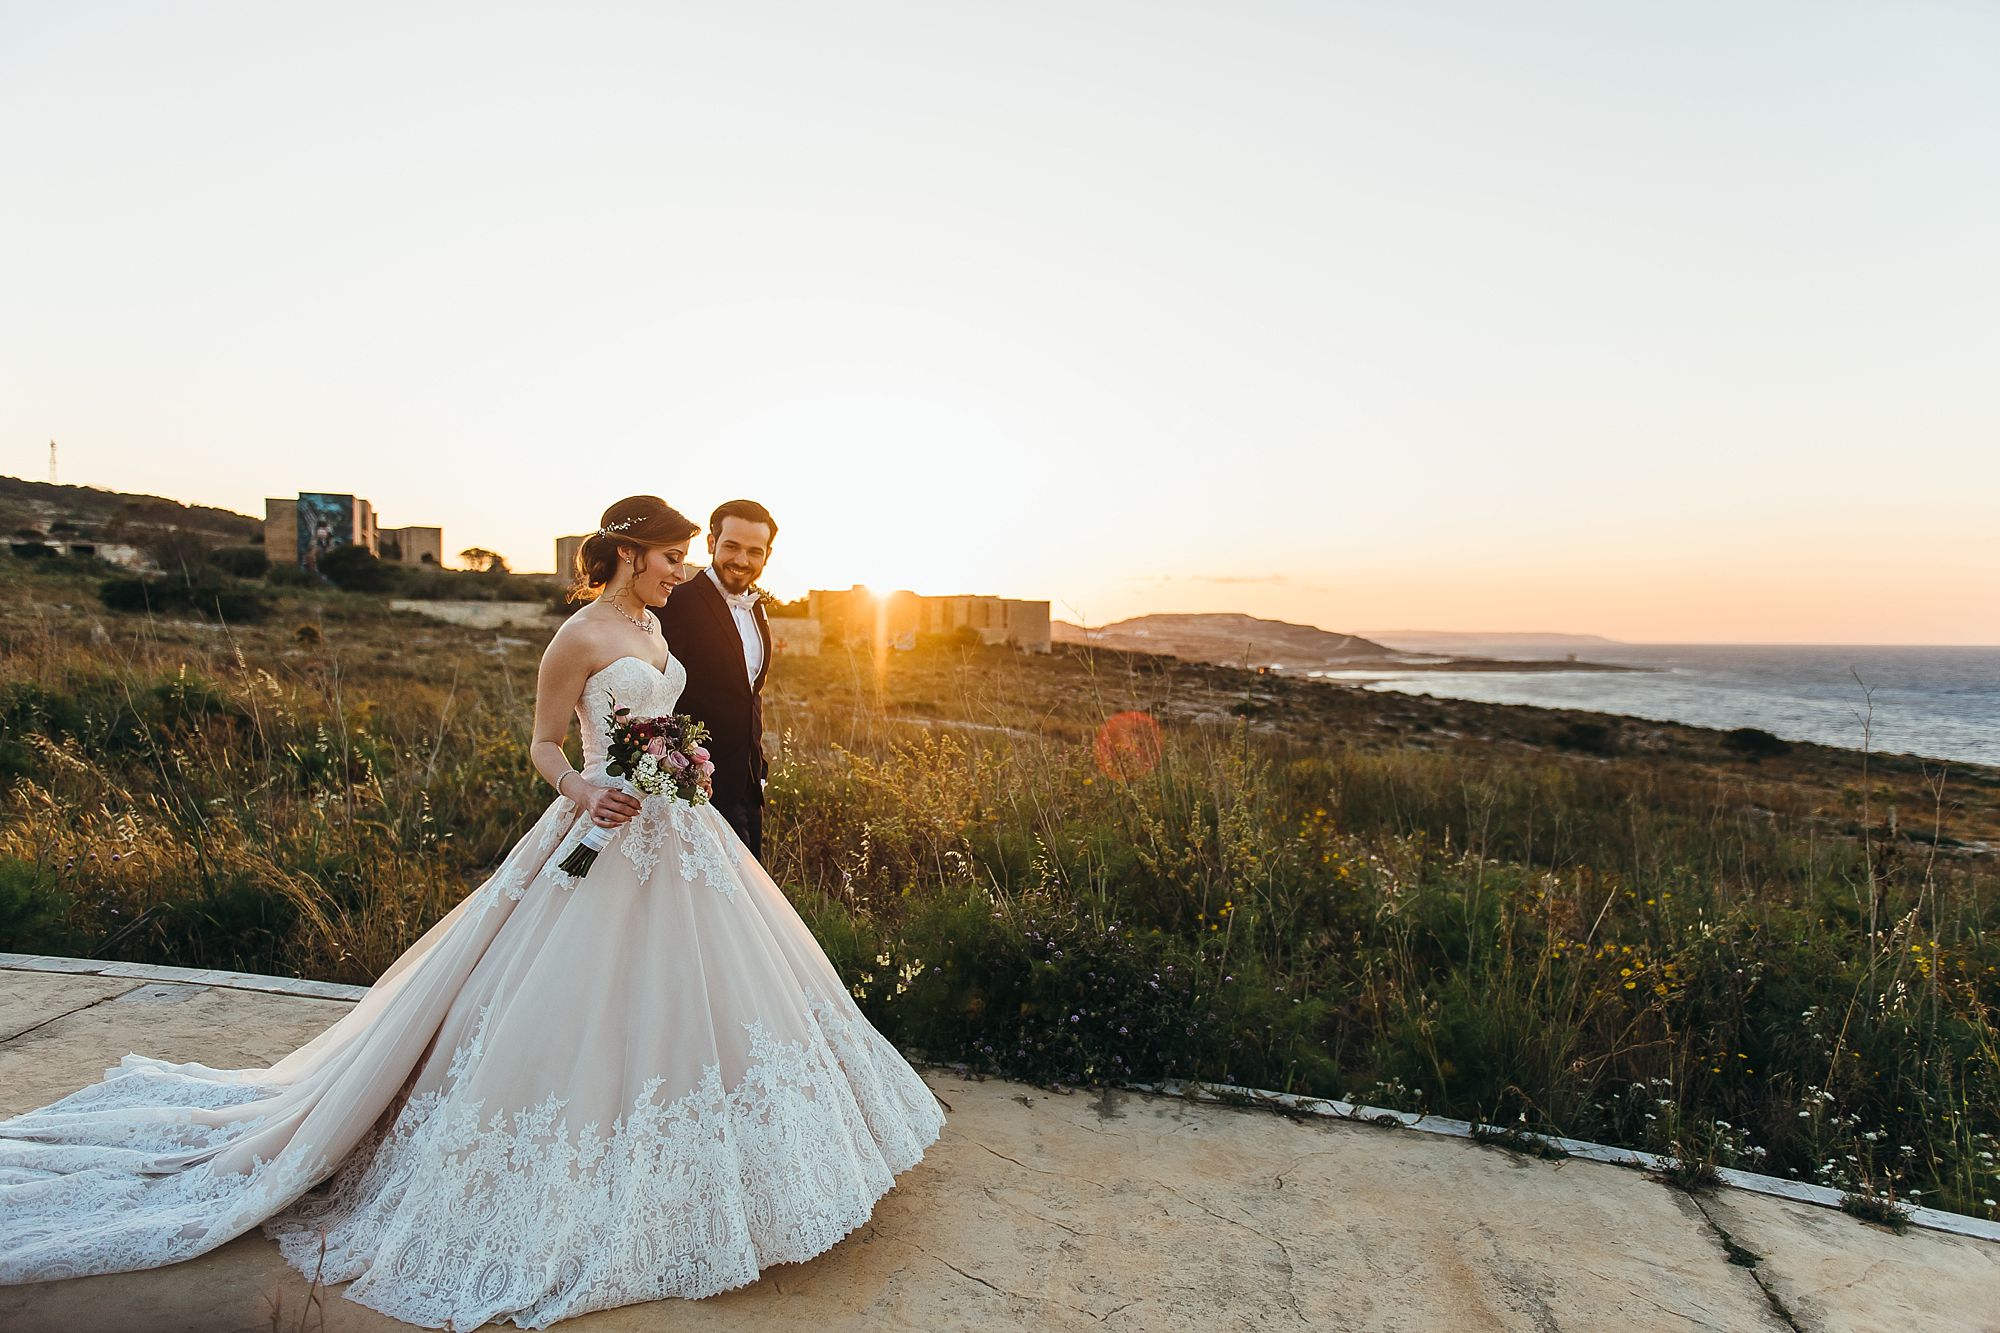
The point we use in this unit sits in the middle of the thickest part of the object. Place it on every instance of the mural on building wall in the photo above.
(325, 521)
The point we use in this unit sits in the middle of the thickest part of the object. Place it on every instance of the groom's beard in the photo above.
(734, 581)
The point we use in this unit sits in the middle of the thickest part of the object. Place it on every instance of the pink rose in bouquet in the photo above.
(648, 756)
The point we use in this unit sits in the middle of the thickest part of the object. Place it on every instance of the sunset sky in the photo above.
(1669, 321)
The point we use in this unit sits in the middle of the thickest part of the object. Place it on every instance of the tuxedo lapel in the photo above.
(712, 595)
(731, 642)
(764, 636)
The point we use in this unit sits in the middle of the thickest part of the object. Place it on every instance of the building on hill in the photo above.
(794, 636)
(300, 531)
(281, 532)
(900, 618)
(412, 546)
(566, 549)
(31, 544)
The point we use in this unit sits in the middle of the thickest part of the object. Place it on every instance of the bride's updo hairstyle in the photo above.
(636, 522)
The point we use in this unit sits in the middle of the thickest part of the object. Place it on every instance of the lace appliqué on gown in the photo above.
(645, 836)
(455, 1216)
(149, 1219)
(703, 854)
(533, 857)
(661, 821)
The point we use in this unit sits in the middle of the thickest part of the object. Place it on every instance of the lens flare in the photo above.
(1128, 746)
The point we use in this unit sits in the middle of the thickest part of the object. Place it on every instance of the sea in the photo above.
(1942, 703)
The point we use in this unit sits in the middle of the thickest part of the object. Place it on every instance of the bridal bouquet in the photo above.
(648, 756)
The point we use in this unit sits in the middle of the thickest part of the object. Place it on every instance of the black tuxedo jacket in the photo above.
(701, 632)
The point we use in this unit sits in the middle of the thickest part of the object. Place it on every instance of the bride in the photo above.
(569, 1094)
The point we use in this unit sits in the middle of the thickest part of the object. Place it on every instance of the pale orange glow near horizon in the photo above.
(1727, 594)
(1654, 321)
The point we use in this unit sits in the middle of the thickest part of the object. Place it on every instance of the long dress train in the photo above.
(567, 1095)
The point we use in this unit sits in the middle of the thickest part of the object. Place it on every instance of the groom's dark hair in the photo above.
(747, 510)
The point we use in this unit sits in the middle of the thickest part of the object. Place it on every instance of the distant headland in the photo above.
(1235, 639)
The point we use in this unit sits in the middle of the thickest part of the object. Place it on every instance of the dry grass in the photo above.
(1659, 941)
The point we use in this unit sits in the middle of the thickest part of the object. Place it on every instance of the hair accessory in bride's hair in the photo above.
(637, 520)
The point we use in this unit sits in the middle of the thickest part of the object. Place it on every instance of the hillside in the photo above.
(1229, 639)
(1233, 639)
(114, 515)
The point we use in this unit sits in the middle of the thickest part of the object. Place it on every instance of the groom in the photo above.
(715, 625)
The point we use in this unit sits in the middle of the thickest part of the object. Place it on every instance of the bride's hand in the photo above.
(608, 806)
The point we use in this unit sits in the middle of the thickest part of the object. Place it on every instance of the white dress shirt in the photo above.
(746, 625)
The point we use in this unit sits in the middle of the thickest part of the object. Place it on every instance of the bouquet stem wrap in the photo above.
(647, 756)
(584, 855)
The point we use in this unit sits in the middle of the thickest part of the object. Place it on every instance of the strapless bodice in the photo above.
(628, 682)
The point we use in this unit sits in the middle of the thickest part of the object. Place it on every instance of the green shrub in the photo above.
(356, 569)
(232, 605)
(242, 562)
(133, 594)
(33, 910)
(184, 704)
(227, 602)
(1588, 737)
(237, 924)
(1754, 742)
(1046, 996)
(30, 709)
(292, 576)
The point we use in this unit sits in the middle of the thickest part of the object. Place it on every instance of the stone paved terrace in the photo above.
(1110, 1211)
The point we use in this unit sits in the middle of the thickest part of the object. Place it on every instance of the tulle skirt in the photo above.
(568, 1095)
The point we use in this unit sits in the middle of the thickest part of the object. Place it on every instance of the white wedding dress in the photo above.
(568, 1095)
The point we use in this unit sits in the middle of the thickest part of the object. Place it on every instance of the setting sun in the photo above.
(1045, 405)
(1114, 373)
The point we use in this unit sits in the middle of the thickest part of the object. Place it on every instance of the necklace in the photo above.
(646, 624)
